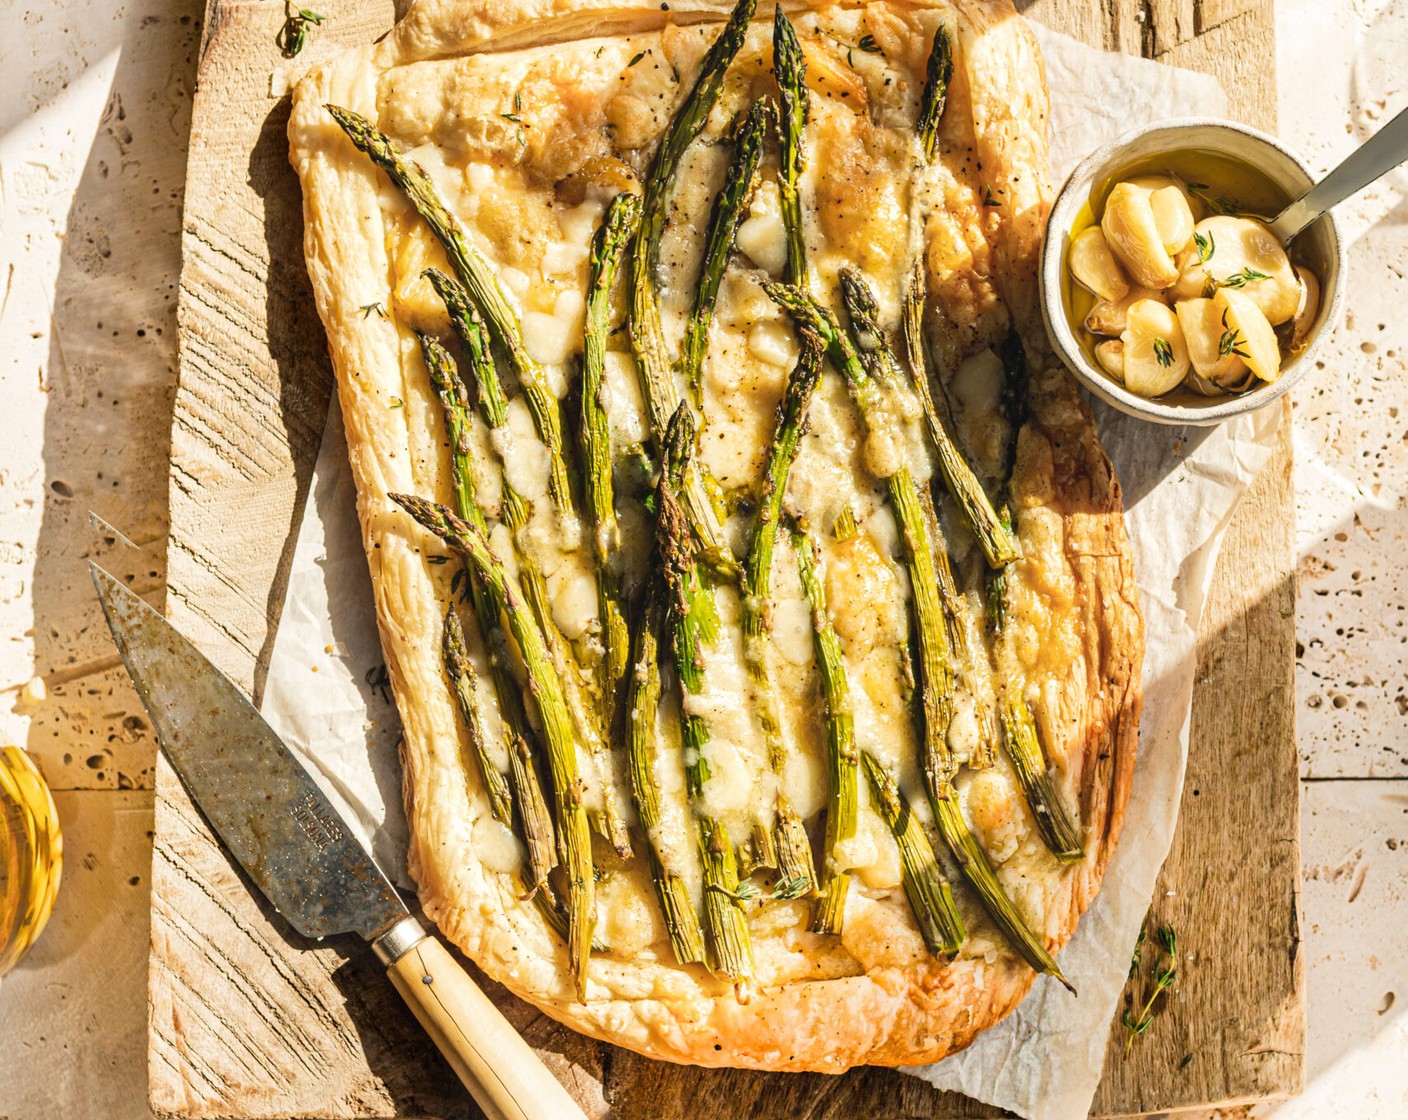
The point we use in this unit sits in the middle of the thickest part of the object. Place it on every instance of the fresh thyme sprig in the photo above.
(1207, 245)
(1238, 280)
(1163, 352)
(1165, 976)
(1231, 341)
(293, 35)
(1217, 203)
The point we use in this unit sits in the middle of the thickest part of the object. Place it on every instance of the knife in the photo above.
(288, 837)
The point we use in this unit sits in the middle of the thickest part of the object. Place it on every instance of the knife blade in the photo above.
(293, 843)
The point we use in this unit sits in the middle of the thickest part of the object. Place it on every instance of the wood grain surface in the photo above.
(250, 1021)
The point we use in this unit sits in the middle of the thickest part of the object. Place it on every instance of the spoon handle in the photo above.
(1381, 153)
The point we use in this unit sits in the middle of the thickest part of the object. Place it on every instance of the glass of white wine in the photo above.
(31, 855)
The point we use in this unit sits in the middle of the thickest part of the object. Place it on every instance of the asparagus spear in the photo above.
(935, 94)
(661, 393)
(973, 862)
(863, 310)
(693, 622)
(792, 849)
(534, 817)
(1034, 776)
(1060, 833)
(925, 884)
(1014, 404)
(993, 536)
(609, 245)
(493, 407)
(477, 275)
(936, 672)
(935, 656)
(573, 833)
(790, 68)
(462, 682)
(681, 919)
(841, 806)
(724, 221)
(535, 823)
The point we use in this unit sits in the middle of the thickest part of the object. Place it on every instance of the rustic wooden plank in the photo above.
(254, 385)
(246, 1019)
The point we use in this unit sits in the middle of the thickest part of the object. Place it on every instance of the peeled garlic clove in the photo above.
(1173, 218)
(1110, 355)
(1307, 308)
(1241, 253)
(1253, 338)
(1134, 237)
(1155, 352)
(1152, 183)
(1203, 331)
(1108, 316)
(1094, 266)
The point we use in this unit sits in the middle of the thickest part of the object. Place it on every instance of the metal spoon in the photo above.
(1377, 156)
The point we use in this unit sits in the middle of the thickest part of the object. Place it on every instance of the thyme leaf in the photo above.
(1206, 244)
(1165, 976)
(292, 37)
(1163, 352)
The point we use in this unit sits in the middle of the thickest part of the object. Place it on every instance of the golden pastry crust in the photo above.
(896, 1006)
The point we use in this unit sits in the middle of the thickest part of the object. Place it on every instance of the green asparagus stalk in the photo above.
(463, 683)
(573, 831)
(936, 670)
(535, 823)
(841, 753)
(555, 914)
(1014, 405)
(790, 68)
(1060, 833)
(534, 817)
(925, 884)
(973, 862)
(608, 247)
(681, 919)
(661, 393)
(693, 622)
(1034, 776)
(478, 277)
(493, 407)
(790, 846)
(993, 536)
(935, 655)
(727, 215)
(878, 356)
(935, 94)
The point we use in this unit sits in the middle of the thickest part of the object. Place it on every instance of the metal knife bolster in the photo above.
(399, 940)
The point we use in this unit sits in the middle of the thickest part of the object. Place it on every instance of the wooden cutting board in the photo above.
(248, 1020)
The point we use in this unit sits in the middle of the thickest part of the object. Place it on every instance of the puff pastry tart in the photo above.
(753, 585)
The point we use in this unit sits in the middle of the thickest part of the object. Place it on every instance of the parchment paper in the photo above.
(1180, 484)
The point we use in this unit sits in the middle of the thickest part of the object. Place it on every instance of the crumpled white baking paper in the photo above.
(323, 693)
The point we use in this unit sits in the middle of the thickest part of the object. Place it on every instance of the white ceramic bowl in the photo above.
(1319, 245)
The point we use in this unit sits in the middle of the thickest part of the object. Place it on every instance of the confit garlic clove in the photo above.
(1155, 353)
(1110, 355)
(1203, 331)
(1094, 266)
(1173, 217)
(1239, 253)
(1135, 239)
(1253, 338)
(1152, 183)
(1307, 308)
(1108, 317)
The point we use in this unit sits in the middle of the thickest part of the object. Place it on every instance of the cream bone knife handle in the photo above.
(500, 1070)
